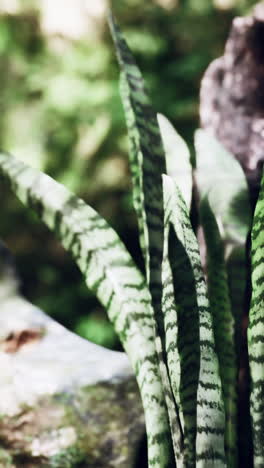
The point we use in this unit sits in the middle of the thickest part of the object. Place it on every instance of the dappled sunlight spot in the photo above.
(23, 136)
(74, 19)
(225, 4)
(9, 7)
(112, 172)
(56, 19)
(167, 4)
(95, 9)
(90, 137)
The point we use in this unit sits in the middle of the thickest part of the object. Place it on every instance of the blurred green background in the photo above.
(60, 111)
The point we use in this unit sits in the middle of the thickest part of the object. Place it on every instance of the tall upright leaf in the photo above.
(147, 162)
(236, 265)
(223, 325)
(178, 159)
(195, 324)
(221, 178)
(181, 320)
(256, 330)
(111, 274)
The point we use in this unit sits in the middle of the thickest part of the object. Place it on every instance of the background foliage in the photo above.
(61, 112)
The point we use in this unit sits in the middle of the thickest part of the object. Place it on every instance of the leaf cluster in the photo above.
(178, 323)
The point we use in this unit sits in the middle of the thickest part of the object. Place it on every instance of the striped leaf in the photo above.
(256, 331)
(147, 162)
(111, 274)
(181, 317)
(237, 279)
(221, 178)
(178, 158)
(200, 391)
(223, 325)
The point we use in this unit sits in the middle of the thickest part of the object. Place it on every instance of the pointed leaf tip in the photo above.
(178, 159)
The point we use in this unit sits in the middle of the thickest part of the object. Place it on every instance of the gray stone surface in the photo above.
(64, 402)
(232, 107)
(232, 95)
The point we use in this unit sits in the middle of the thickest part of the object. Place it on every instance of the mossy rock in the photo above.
(64, 402)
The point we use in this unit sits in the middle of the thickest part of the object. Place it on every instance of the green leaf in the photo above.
(147, 162)
(221, 178)
(223, 325)
(111, 274)
(237, 270)
(200, 389)
(177, 158)
(181, 318)
(256, 330)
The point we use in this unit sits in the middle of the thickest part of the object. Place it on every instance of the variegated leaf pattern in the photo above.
(147, 162)
(203, 399)
(181, 320)
(146, 149)
(256, 331)
(178, 158)
(223, 325)
(111, 274)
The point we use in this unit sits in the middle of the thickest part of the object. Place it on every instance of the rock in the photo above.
(64, 402)
(232, 107)
(232, 95)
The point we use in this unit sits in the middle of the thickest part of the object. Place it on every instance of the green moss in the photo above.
(72, 457)
(6, 460)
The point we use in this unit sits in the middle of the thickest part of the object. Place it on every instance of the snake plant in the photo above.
(177, 324)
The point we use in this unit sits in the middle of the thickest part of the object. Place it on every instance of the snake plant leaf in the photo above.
(147, 162)
(201, 390)
(178, 159)
(221, 178)
(237, 271)
(181, 319)
(256, 330)
(146, 149)
(111, 274)
(223, 325)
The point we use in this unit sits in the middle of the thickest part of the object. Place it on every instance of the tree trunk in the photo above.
(232, 95)
(232, 107)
